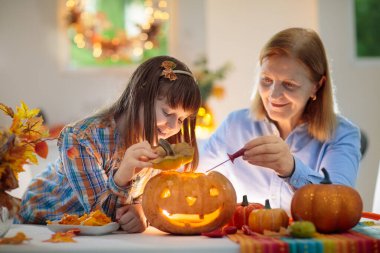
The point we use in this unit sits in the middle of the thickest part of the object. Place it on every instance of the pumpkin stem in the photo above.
(326, 179)
(245, 201)
(267, 204)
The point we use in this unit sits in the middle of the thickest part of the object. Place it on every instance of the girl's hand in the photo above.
(131, 218)
(271, 152)
(136, 157)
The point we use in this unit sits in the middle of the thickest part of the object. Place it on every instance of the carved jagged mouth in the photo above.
(192, 220)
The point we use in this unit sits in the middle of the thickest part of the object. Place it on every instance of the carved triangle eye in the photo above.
(191, 200)
(165, 193)
(214, 192)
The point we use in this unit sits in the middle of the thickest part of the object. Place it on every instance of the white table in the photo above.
(152, 240)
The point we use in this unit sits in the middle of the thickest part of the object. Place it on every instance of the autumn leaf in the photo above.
(19, 238)
(23, 112)
(30, 129)
(72, 153)
(63, 236)
(7, 110)
(41, 149)
(218, 91)
(28, 139)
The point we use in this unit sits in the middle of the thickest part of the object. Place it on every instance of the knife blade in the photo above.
(231, 157)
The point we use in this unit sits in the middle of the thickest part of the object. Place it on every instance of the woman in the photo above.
(291, 131)
(104, 160)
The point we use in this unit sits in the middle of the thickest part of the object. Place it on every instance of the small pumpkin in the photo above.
(268, 219)
(242, 212)
(188, 202)
(331, 207)
(172, 156)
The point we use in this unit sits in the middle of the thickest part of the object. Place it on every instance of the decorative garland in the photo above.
(103, 41)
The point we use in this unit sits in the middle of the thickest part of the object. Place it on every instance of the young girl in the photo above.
(104, 160)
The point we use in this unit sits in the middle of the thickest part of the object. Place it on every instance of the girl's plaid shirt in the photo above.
(84, 183)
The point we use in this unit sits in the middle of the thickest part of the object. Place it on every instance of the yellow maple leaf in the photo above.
(23, 111)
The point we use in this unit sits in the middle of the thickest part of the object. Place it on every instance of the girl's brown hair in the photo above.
(306, 46)
(146, 86)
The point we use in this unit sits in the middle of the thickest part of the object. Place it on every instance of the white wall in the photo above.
(31, 67)
(357, 83)
(31, 62)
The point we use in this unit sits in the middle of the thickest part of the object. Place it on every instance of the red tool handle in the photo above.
(237, 154)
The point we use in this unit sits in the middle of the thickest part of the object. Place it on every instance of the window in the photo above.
(367, 14)
(115, 33)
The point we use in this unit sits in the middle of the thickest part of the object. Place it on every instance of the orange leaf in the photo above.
(42, 149)
(7, 110)
(19, 238)
(72, 153)
(64, 236)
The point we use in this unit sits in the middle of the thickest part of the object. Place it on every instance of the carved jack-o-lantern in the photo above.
(188, 203)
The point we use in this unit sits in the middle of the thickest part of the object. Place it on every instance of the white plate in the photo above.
(85, 230)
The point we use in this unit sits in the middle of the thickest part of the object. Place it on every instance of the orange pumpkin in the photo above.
(242, 212)
(331, 207)
(268, 219)
(188, 203)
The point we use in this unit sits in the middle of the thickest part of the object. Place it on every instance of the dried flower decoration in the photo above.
(170, 73)
(25, 138)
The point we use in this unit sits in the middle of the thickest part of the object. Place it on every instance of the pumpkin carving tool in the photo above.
(231, 157)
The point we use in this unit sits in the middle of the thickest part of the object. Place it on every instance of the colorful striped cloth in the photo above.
(356, 240)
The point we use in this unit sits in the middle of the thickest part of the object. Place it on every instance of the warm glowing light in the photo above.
(191, 220)
(142, 23)
(201, 111)
(97, 50)
(165, 16)
(148, 45)
(162, 4)
(149, 10)
(157, 14)
(165, 193)
(207, 119)
(143, 36)
(191, 200)
(148, 3)
(70, 3)
(138, 51)
(79, 38)
(203, 132)
(214, 192)
(146, 26)
(205, 123)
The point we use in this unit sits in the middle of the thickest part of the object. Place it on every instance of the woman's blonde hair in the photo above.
(146, 85)
(306, 46)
